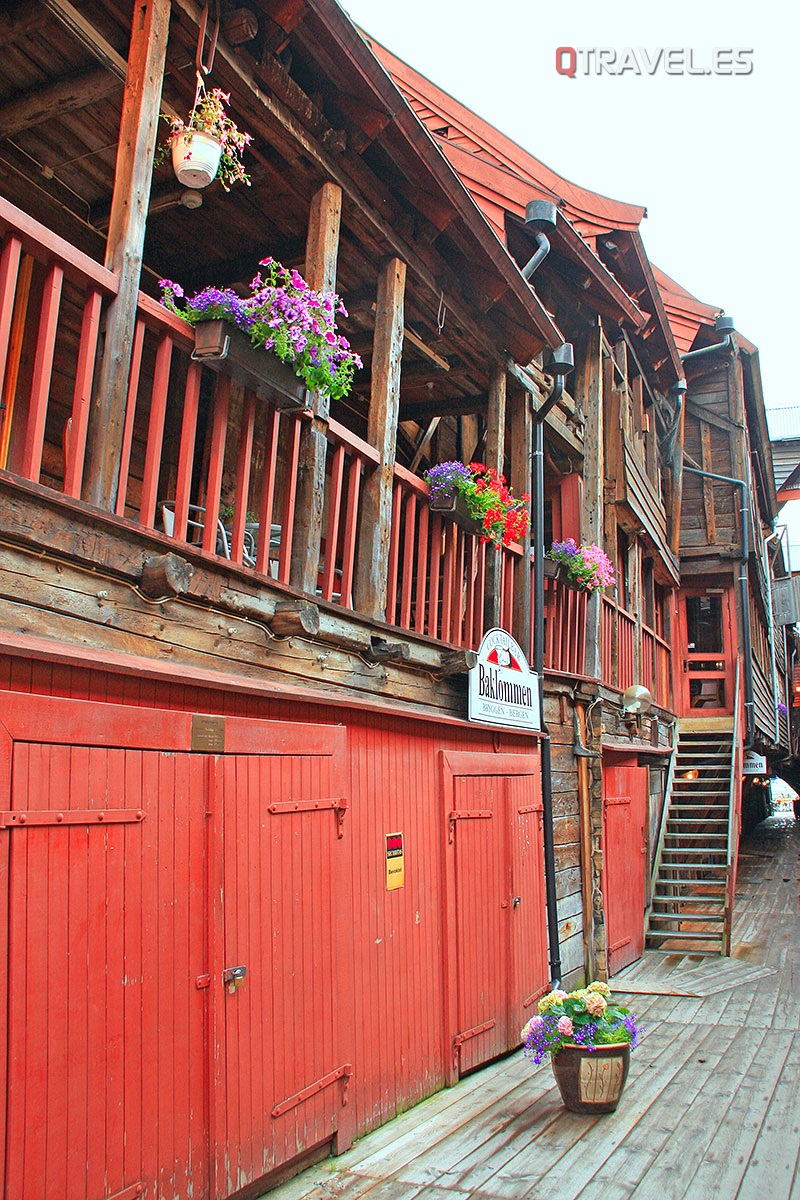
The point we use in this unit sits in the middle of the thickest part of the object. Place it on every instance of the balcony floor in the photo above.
(710, 1107)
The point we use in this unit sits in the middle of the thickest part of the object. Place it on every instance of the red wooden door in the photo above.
(497, 944)
(624, 858)
(284, 1059)
(106, 1060)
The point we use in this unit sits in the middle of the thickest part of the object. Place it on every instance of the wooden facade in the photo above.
(236, 635)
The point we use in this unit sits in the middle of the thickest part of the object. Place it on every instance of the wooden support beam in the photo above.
(124, 247)
(84, 32)
(322, 249)
(589, 385)
(376, 508)
(495, 457)
(381, 650)
(65, 95)
(20, 20)
(295, 617)
(166, 575)
(456, 662)
(521, 466)
(708, 485)
(416, 341)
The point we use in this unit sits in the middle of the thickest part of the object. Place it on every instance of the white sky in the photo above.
(714, 159)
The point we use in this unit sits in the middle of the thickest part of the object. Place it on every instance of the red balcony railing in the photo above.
(617, 643)
(564, 628)
(656, 666)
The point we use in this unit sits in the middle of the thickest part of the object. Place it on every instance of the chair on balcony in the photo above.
(196, 523)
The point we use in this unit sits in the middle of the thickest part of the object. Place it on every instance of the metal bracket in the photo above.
(75, 816)
(339, 806)
(477, 814)
(344, 1073)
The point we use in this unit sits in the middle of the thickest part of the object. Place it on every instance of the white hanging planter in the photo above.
(195, 158)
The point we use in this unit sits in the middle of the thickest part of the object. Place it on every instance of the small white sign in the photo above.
(754, 764)
(502, 688)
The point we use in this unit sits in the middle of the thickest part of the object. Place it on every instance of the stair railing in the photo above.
(733, 812)
(673, 760)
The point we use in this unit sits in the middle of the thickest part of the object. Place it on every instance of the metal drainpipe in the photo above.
(747, 642)
(538, 665)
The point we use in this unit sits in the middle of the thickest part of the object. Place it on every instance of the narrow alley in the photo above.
(709, 1110)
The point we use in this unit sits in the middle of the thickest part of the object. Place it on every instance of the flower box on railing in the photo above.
(223, 347)
(455, 507)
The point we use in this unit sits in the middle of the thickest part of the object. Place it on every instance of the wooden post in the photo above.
(495, 456)
(322, 249)
(590, 387)
(124, 247)
(521, 455)
(376, 507)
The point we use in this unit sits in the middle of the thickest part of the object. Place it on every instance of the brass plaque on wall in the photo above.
(208, 733)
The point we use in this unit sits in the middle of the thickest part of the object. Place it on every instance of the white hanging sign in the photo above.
(754, 764)
(502, 688)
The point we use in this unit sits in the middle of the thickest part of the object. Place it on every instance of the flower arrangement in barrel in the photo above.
(587, 1017)
(586, 567)
(502, 516)
(280, 313)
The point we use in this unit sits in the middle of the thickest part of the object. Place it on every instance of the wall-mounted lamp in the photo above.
(540, 216)
(635, 701)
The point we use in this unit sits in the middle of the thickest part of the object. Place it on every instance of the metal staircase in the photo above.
(689, 910)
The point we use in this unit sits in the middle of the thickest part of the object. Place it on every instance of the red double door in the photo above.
(496, 953)
(625, 786)
(135, 875)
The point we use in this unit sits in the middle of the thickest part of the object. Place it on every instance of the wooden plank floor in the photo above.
(712, 1104)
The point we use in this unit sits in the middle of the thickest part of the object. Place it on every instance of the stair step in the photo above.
(692, 879)
(717, 902)
(689, 836)
(708, 917)
(689, 850)
(684, 934)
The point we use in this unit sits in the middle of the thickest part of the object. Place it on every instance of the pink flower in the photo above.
(564, 1026)
(595, 1004)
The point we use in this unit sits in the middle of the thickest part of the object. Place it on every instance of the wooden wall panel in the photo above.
(401, 1048)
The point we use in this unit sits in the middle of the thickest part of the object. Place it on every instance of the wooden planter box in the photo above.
(455, 507)
(223, 347)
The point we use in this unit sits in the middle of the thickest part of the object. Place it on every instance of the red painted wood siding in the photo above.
(389, 948)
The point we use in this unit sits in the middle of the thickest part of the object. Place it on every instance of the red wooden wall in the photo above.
(350, 986)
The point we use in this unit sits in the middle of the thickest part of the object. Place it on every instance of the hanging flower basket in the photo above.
(481, 493)
(282, 321)
(586, 568)
(222, 347)
(195, 157)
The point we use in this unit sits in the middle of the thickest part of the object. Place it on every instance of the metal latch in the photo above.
(233, 977)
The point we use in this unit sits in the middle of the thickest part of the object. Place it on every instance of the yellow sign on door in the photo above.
(395, 862)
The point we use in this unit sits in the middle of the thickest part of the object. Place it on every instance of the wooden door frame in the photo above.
(457, 763)
(728, 653)
(624, 758)
(56, 720)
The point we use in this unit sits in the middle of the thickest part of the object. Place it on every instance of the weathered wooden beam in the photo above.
(495, 457)
(239, 26)
(65, 95)
(84, 32)
(124, 247)
(459, 406)
(416, 341)
(295, 617)
(376, 507)
(322, 249)
(381, 650)
(456, 662)
(20, 20)
(708, 485)
(165, 575)
(521, 468)
(590, 385)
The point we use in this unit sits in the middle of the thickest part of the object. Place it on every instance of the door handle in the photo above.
(516, 901)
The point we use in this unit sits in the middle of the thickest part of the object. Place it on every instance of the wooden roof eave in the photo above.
(672, 366)
(758, 419)
(519, 310)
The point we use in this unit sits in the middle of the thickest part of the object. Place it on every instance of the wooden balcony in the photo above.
(215, 467)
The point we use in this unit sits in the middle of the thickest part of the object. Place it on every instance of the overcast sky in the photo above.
(713, 158)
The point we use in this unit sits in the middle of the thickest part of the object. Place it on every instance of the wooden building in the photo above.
(236, 636)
